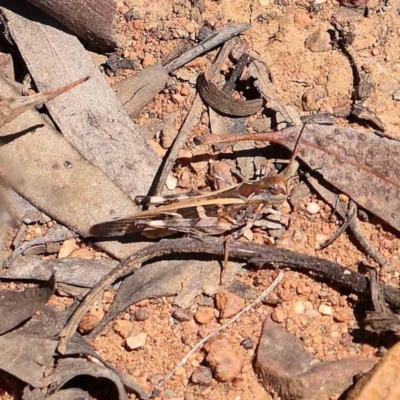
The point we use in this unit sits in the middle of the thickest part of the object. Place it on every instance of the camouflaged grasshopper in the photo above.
(228, 211)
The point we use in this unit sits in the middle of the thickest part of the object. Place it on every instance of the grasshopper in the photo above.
(229, 211)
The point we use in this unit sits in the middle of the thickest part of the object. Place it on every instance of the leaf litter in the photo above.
(332, 152)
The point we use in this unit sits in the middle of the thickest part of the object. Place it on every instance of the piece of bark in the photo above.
(90, 117)
(72, 271)
(382, 319)
(136, 91)
(283, 364)
(382, 382)
(78, 197)
(265, 86)
(18, 306)
(362, 165)
(94, 21)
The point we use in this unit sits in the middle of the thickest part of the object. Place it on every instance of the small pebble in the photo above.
(155, 379)
(299, 307)
(141, 314)
(319, 42)
(271, 300)
(302, 19)
(204, 315)
(168, 394)
(225, 362)
(148, 60)
(88, 323)
(135, 342)
(181, 315)
(312, 99)
(313, 208)
(123, 327)
(202, 376)
(84, 254)
(177, 98)
(396, 95)
(229, 304)
(67, 248)
(247, 343)
(320, 238)
(325, 309)
(278, 316)
(171, 182)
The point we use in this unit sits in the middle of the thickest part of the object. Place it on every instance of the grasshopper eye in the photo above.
(276, 190)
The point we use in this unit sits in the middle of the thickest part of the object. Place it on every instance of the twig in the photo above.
(53, 238)
(180, 139)
(176, 52)
(206, 45)
(200, 344)
(331, 198)
(255, 254)
(348, 220)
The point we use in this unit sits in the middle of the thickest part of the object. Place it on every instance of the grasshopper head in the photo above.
(274, 190)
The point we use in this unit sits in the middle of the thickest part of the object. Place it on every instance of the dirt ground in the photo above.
(276, 36)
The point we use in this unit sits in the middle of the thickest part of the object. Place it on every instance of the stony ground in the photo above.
(323, 318)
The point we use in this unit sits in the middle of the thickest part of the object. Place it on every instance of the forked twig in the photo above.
(200, 344)
(347, 222)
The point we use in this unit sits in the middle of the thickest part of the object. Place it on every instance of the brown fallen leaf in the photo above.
(362, 165)
(17, 307)
(11, 107)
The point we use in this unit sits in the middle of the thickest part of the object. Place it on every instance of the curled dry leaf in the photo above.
(223, 102)
(69, 369)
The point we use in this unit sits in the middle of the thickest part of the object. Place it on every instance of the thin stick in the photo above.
(331, 198)
(206, 45)
(348, 220)
(200, 344)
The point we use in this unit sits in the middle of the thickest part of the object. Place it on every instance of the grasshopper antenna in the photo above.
(291, 170)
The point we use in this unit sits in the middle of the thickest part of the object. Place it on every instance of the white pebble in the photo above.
(171, 182)
(299, 307)
(134, 342)
(325, 309)
(313, 208)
